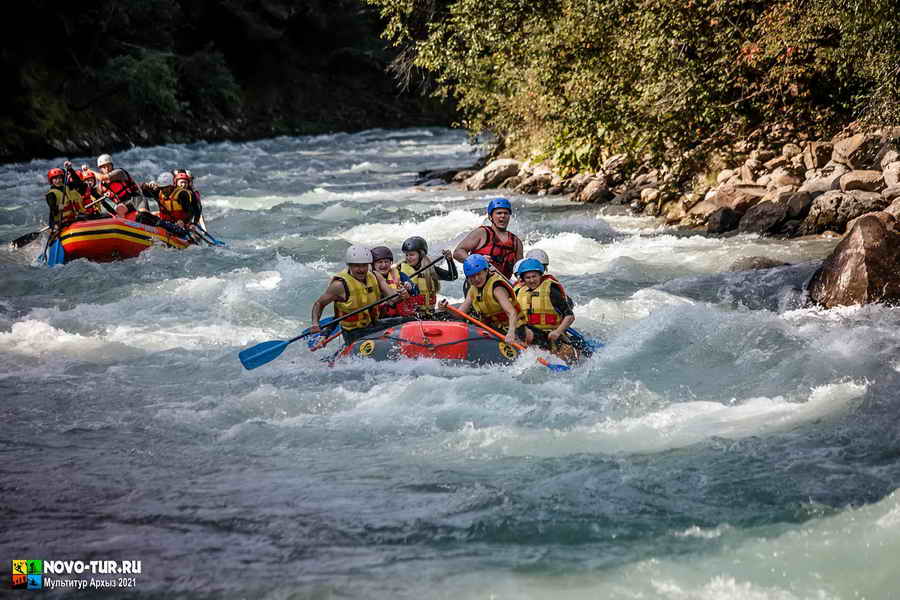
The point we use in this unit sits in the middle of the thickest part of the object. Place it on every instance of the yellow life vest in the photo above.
(537, 306)
(68, 206)
(428, 288)
(176, 204)
(360, 294)
(486, 304)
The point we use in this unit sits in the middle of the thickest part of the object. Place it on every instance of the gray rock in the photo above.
(511, 182)
(721, 220)
(870, 181)
(889, 157)
(892, 193)
(595, 192)
(892, 174)
(817, 154)
(750, 263)
(763, 218)
(798, 205)
(791, 150)
(858, 151)
(832, 210)
(827, 180)
(493, 174)
(535, 183)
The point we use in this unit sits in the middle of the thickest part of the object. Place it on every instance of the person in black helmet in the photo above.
(415, 250)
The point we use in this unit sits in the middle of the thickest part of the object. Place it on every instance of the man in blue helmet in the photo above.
(493, 298)
(501, 247)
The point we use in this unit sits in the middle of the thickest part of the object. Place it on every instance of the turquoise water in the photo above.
(728, 442)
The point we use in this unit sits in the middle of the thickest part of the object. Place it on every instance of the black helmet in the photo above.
(379, 252)
(415, 243)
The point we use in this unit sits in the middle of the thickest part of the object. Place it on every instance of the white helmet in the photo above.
(516, 266)
(359, 255)
(104, 159)
(165, 179)
(540, 255)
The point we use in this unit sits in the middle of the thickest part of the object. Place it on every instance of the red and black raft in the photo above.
(114, 238)
(445, 340)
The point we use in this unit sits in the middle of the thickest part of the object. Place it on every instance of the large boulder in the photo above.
(595, 192)
(869, 181)
(763, 218)
(722, 220)
(863, 267)
(817, 154)
(825, 180)
(492, 175)
(739, 197)
(833, 210)
(860, 151)
(535, 183)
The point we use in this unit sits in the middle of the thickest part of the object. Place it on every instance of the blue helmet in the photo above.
(496, 203)
(476, 263)
(530, 264)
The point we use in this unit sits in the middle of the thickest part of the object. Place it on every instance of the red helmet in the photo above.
(85, 175)
(185, 175)
(55, 172)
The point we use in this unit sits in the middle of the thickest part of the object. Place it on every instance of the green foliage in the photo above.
(207, 84)
(147, 82)
(579, 80)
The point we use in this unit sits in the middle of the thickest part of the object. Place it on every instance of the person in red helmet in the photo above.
(64, 201)
(176, 202)
(184, 179)
(501, 247)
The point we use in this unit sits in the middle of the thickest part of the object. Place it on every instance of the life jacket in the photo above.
(537, 305)
(172, 206)
(486, 304)
(359, 295)
(122, 191)
(520, 284)
(428, 288)
(68, 205)
(404, 308)
(502, 254)
(87, 197)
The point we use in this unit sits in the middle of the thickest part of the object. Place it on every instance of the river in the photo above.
(728, 441)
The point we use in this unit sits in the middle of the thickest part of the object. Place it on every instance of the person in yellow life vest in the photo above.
(64, 201)
(351, 289)
(176, 202)
(542, 257)
(494, 299)
(415, 249)
(382, 263)
(544, 302)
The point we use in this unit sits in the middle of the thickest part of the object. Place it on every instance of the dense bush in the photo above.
(578, 80)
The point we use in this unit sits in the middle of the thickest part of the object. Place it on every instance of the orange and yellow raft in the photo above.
(105, 240)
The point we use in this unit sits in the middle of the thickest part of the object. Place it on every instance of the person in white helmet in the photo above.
(542, 257)
(121, 189)
(351, 289)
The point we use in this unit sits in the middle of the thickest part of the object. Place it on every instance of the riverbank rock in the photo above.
(751, 263)
(763, 218)
(492, 175)
(596, 191)
(833, 210)
(863, 267)
(860, 151)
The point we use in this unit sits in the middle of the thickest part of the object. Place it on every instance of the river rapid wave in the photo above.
(728, 441)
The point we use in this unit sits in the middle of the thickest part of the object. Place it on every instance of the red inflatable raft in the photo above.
(447, 340)
(105, 240)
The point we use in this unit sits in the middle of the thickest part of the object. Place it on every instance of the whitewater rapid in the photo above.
(729, 441)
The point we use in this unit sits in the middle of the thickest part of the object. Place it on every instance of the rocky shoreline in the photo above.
(786, 188)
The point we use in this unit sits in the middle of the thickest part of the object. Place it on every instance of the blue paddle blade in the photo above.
(558, 368)
(260, 354)
(56, 255)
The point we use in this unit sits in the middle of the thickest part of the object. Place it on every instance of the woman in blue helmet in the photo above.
(501, 247)
(493, 298)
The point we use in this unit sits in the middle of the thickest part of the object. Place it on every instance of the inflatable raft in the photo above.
(114, 238)
(446, 340)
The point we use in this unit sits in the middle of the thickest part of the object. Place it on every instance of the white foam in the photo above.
(439, 227)
(675, 426)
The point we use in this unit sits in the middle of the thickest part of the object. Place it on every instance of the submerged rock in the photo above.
(863, 267)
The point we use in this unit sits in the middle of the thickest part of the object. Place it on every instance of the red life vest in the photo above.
(122, 191)
(502, 254)
(403, 308)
